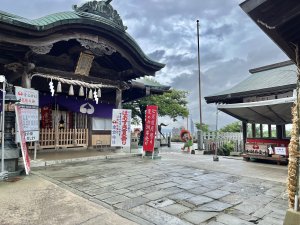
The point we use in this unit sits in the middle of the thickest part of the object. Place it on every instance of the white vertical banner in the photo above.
(21, 134)
(121, 128)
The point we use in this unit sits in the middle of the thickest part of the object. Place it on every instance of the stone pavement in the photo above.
(36, 201)
(179, 189)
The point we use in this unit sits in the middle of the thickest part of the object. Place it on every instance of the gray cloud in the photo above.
(230, 43)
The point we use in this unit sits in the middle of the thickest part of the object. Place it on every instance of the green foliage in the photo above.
(172, 104)
(233, 127)
(226, 148)
(204, 127)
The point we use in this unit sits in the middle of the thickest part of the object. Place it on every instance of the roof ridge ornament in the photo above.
(101, 8)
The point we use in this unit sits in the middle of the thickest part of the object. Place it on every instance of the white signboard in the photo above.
(29, 112)
(121, 128)
(30, 121)
(27, 96)
(280, 150)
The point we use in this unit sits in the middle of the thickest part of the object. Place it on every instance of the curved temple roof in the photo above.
(93, 20)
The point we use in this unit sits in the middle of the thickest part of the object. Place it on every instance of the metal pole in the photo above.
(3, 120)
(216, 158)
(200, 104)
(217, 119)
(187, 122)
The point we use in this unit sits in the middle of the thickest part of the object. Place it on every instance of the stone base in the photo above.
(235, 153)
(148, 155)
(215, 158)
(292, 217)
(10, 165)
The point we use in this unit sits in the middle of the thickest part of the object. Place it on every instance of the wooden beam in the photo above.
(70, 75)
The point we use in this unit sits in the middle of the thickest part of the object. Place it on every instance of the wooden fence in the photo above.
(215, 140)
(51, 138)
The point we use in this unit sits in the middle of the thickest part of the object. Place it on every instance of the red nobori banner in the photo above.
(19, 120)
(150, 128)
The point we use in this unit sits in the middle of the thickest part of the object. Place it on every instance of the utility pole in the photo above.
(200, 104)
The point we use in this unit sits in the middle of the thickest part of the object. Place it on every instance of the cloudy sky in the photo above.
(230, 43)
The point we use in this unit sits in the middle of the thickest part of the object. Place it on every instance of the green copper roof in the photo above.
(53, 20)
(94, 14)
(100, 11)
(266, 79)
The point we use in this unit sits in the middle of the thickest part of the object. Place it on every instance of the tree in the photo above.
(233, 127)
(172, 103)
(204, 127)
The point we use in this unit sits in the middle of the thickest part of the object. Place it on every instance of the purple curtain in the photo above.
(77, 104)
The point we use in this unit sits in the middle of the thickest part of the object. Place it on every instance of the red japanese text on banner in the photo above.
(150, 128)
(21, 133)
(121, 128)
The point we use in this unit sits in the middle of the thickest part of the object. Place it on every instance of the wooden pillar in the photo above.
(244, 128)
(90, 128)
(119, 99)
(26, 81)
(279, 129)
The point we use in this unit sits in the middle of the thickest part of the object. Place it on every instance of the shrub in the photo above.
(227, 148)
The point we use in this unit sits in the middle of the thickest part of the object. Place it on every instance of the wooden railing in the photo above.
(51, 138)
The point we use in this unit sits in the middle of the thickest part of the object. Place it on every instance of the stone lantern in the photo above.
(11, 150)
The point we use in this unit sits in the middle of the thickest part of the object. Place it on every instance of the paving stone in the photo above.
(213, 184)
(156, 195)
(121, 191)
(277, 215)
(233, 188)
(166, 185)
(232, 220)
(259, 199)
(214, 223)
(216, 194)
(232, 199)
(243, 215)
(214, 206)
(140, 186)
(190, 185)
(198, 200)
(160, 203)
(157, 216)
(274, 191)
(247, 208)
(158, 181)
(181, 196)
(133, 194)
(199, 190)
(173, 190)
(262, 212)
(150, 189)
(198, 217)
(104, 195)
(131, 203)
(115, 199)
(175, 209)
(270, 220)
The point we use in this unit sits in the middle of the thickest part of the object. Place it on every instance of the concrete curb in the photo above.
(40, 163)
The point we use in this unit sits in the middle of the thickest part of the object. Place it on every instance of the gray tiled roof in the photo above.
(272, 78)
